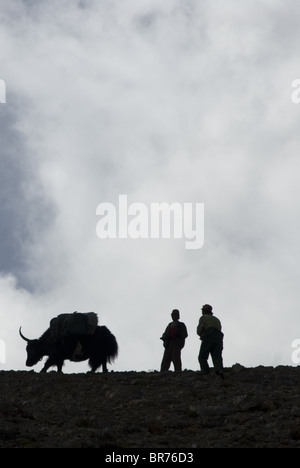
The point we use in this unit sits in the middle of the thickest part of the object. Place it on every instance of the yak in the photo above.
(100, 348)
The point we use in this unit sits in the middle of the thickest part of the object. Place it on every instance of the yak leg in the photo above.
(53, 362)
(95, 364)
(60, 366)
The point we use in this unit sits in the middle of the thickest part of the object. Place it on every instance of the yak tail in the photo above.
(109, 343)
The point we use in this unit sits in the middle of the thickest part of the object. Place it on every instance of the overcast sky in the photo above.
(183, 101)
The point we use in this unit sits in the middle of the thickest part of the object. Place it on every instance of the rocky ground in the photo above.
(252, 407)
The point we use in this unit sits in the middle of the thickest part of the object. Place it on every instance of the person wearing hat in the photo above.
(174, 340)
(210, 332)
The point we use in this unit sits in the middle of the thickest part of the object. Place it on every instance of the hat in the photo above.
(207, 308)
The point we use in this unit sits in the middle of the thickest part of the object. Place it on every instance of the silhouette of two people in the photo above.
(210, 332)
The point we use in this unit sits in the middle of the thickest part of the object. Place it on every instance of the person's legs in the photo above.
(204, 355)
(166, 361)
(176, 357)
(216, 355)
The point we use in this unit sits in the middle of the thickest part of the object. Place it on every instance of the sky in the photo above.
(180, 101)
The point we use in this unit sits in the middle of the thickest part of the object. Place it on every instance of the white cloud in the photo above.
(173, 101)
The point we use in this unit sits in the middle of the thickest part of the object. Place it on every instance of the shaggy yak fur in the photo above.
(100, 348)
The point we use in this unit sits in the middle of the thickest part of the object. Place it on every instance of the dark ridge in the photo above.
(251, 407)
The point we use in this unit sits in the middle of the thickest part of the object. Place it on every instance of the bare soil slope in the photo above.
(252, 407)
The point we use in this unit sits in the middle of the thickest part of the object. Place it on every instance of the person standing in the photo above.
(210, 332)
(174, 340)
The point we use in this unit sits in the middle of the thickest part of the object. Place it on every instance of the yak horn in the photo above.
(22, 336)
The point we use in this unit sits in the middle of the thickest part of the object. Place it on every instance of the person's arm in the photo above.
(184, 332)
(165, 335)
(182, 335)
(200, 328)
